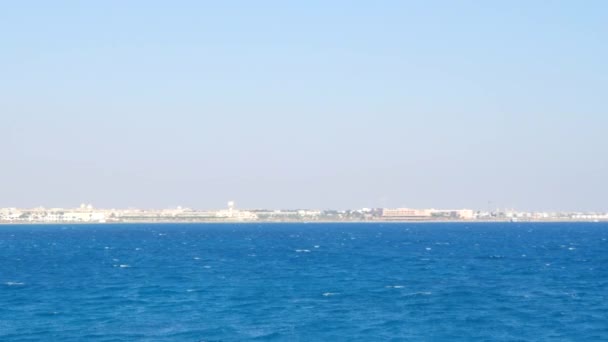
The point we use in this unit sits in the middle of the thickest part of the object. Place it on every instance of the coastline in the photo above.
(46, 223)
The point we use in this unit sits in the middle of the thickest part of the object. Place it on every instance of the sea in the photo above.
(304, 282)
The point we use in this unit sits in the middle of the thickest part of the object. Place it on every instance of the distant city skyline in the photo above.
(86, 213)
(233, 205)
(434, 104)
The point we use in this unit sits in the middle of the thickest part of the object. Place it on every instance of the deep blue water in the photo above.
(304, 282)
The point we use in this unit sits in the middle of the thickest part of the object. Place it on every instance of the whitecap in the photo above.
(421, 293)
(303, 250)
(206, 266)
(317, 246)
(328, 294)
(395, 286)
(124, 266)
(571, 248)
(14, 283)
(428, 248)
(197, 258)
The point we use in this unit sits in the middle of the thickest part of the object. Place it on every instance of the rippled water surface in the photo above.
(304, 282)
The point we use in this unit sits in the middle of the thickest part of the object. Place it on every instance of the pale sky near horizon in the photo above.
(308, 104)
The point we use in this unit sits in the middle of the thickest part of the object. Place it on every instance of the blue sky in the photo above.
(323, 104)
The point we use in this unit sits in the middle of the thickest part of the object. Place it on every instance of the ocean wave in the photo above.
(14, 283)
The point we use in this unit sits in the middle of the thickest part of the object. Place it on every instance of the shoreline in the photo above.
(301, 222)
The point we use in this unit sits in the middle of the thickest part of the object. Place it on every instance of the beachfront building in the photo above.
(83, 216)
(9, 214)
(405, 214)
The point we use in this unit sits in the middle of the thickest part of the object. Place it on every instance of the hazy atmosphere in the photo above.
(317, 104)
